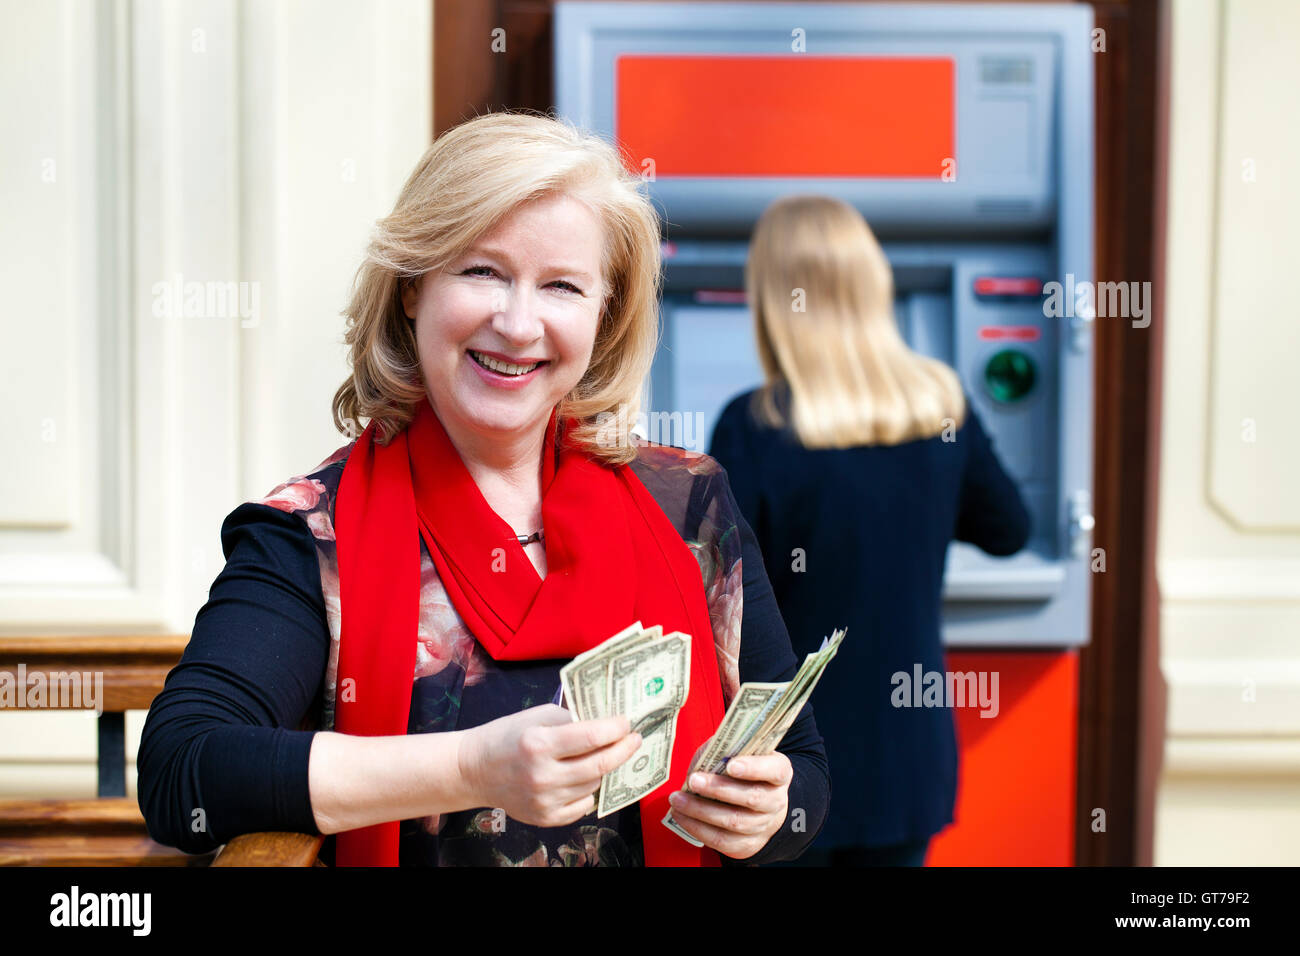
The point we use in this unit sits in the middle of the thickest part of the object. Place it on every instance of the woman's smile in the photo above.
(498, 373)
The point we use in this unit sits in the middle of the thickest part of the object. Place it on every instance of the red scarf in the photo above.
(612, 558)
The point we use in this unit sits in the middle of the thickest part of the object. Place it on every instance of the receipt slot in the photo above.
(964, 135)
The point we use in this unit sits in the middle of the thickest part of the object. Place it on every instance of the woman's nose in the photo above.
(515, 314)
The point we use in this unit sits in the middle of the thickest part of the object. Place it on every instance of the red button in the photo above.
(1007, 285)
(1020, 333)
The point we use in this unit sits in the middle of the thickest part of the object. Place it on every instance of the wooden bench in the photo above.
(110, 830)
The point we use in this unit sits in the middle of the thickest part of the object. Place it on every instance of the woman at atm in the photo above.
(856, 463)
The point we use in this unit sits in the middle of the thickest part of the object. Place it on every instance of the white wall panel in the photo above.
(1228, 557)
(217, 146)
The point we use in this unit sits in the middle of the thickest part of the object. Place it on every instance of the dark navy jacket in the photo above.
(858, 538)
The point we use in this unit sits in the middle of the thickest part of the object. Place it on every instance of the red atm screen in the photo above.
(787, 115)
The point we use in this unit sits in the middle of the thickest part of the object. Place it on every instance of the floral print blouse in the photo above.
(457, 685)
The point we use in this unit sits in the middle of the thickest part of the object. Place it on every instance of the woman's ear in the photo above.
(410, 296)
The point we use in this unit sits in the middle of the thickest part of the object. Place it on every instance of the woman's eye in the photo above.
(488, 270)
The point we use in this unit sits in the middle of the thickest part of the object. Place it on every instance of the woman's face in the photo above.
(528, 292)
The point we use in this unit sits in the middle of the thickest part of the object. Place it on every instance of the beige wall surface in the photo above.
(238, 144)
(1228, 558)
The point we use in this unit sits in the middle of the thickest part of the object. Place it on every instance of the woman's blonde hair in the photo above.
(471, 178)
(822, 295)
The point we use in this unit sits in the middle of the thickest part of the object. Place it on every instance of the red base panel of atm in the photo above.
(1016, 778)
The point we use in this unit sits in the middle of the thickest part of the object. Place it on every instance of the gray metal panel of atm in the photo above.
(1021, 206)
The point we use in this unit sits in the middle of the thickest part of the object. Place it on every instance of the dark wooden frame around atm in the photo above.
(1121, 691)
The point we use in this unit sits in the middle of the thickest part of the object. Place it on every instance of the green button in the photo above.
(1010, 375)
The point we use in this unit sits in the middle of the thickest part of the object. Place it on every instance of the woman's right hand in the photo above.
(540, 766)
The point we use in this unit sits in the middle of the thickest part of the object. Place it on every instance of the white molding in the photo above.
(1230, 593)
(78, 573)
(1233, 696)
(1253, 348)
(323, 85)
(184, 167)
(60, 571)
(1238, 757)
(1246, 580)
(219, 164)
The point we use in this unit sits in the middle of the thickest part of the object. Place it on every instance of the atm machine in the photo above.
(964, 135)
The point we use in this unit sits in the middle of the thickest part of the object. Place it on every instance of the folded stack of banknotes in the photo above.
(644, 675)
(758, 718)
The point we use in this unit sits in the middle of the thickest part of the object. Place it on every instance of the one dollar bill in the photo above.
(644, 675)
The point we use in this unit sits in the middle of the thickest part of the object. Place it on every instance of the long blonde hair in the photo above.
(472, 177)
(822, 295)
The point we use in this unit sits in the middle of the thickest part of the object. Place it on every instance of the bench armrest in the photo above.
(271, 849)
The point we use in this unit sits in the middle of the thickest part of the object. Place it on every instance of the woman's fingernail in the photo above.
(736, 765)
(676, 799)
(697, 781)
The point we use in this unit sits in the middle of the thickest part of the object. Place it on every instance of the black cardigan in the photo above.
(231, 732)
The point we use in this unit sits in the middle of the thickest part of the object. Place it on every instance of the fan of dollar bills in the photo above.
(758, 718)
(644, 675)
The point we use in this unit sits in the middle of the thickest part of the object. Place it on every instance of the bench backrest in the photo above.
(123, 673)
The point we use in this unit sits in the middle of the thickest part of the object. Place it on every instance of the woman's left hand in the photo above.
(736, 813)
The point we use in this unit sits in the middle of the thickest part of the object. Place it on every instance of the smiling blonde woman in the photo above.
(376, 660)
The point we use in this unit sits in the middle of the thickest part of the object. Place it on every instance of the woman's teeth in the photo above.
(496, 365)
